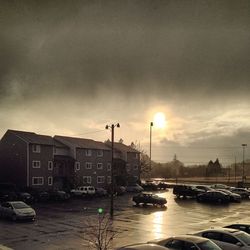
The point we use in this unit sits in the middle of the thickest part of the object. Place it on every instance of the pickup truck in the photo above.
(149, 198)
(83, 191)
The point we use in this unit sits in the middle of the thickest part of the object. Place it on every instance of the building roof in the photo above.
(32, 137)
(122, 147)
(81, 142)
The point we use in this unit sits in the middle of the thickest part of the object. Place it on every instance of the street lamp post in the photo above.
(150, 147)
(112, 127)
(244, 145)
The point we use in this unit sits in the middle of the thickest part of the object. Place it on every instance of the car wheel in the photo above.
(13, 217)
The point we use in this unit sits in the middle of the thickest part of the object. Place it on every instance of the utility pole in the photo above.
(235, 170)
(150, 147)
(244, 145)
(112, 127)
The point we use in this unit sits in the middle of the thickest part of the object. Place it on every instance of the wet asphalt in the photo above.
(61, 226)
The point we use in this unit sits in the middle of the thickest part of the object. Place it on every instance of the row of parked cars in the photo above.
(230, 237)
(214, 193)
(29, 195)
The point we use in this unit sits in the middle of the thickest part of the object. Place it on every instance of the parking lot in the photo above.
(62, 225)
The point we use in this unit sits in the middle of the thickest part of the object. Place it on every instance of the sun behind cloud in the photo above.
(160, 120)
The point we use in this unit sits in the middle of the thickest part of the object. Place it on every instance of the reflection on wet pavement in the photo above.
(61, 226)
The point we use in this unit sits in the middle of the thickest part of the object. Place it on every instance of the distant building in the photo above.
(214, 168)
(60, 162)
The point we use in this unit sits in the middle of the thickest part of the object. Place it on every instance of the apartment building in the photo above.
(26, 159)
(131, 159)
(92, 160)
(60, 162)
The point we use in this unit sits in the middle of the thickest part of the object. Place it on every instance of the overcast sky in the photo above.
(71, 67)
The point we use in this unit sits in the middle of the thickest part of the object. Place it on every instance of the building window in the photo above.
(50, 165)
(36, 148)
(135, 167)
(88, 152)
(100, 153)
(88, 165)
(135, 178)
(36, 164)
(50, 180)
(109, 167)
(136, 156)
(37, 181)
(108, 179)
(87, 179)
(77, 165)
(99, 166)
(100, 179)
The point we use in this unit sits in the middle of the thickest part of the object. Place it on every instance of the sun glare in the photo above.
(159, 120)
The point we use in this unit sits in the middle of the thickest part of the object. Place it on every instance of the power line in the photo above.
(90, 132)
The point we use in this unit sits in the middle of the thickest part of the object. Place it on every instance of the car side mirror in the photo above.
(239, 244)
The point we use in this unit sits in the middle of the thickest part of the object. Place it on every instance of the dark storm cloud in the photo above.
(196, 48)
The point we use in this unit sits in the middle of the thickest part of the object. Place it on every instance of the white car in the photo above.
(83, 191)
(227, 238)
(17, 210)
(188, 242)
(142, 246)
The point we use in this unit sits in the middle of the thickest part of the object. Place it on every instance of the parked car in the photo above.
(163, 185)
(203, 187)
(38, 195)
(220, 186)
(119, 190)
(142, 246)
(58, 195)
(41, 196)
(7, 192)
(17, 210)
(244, 193)
(233, 196)
(185, 191)
(214, 196)
(83, 191)
(240, 226)
(136, 188)
(7, 195)
(149, 186)
(25, 197)
(188, 242)
(227, 238)
(100, 192)
(149, 198)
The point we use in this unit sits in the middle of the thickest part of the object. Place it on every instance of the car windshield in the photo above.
(19, 205)
(244, 237)
(208, 245)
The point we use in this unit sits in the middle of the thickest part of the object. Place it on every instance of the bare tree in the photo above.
(144, 159)
(99, 232)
